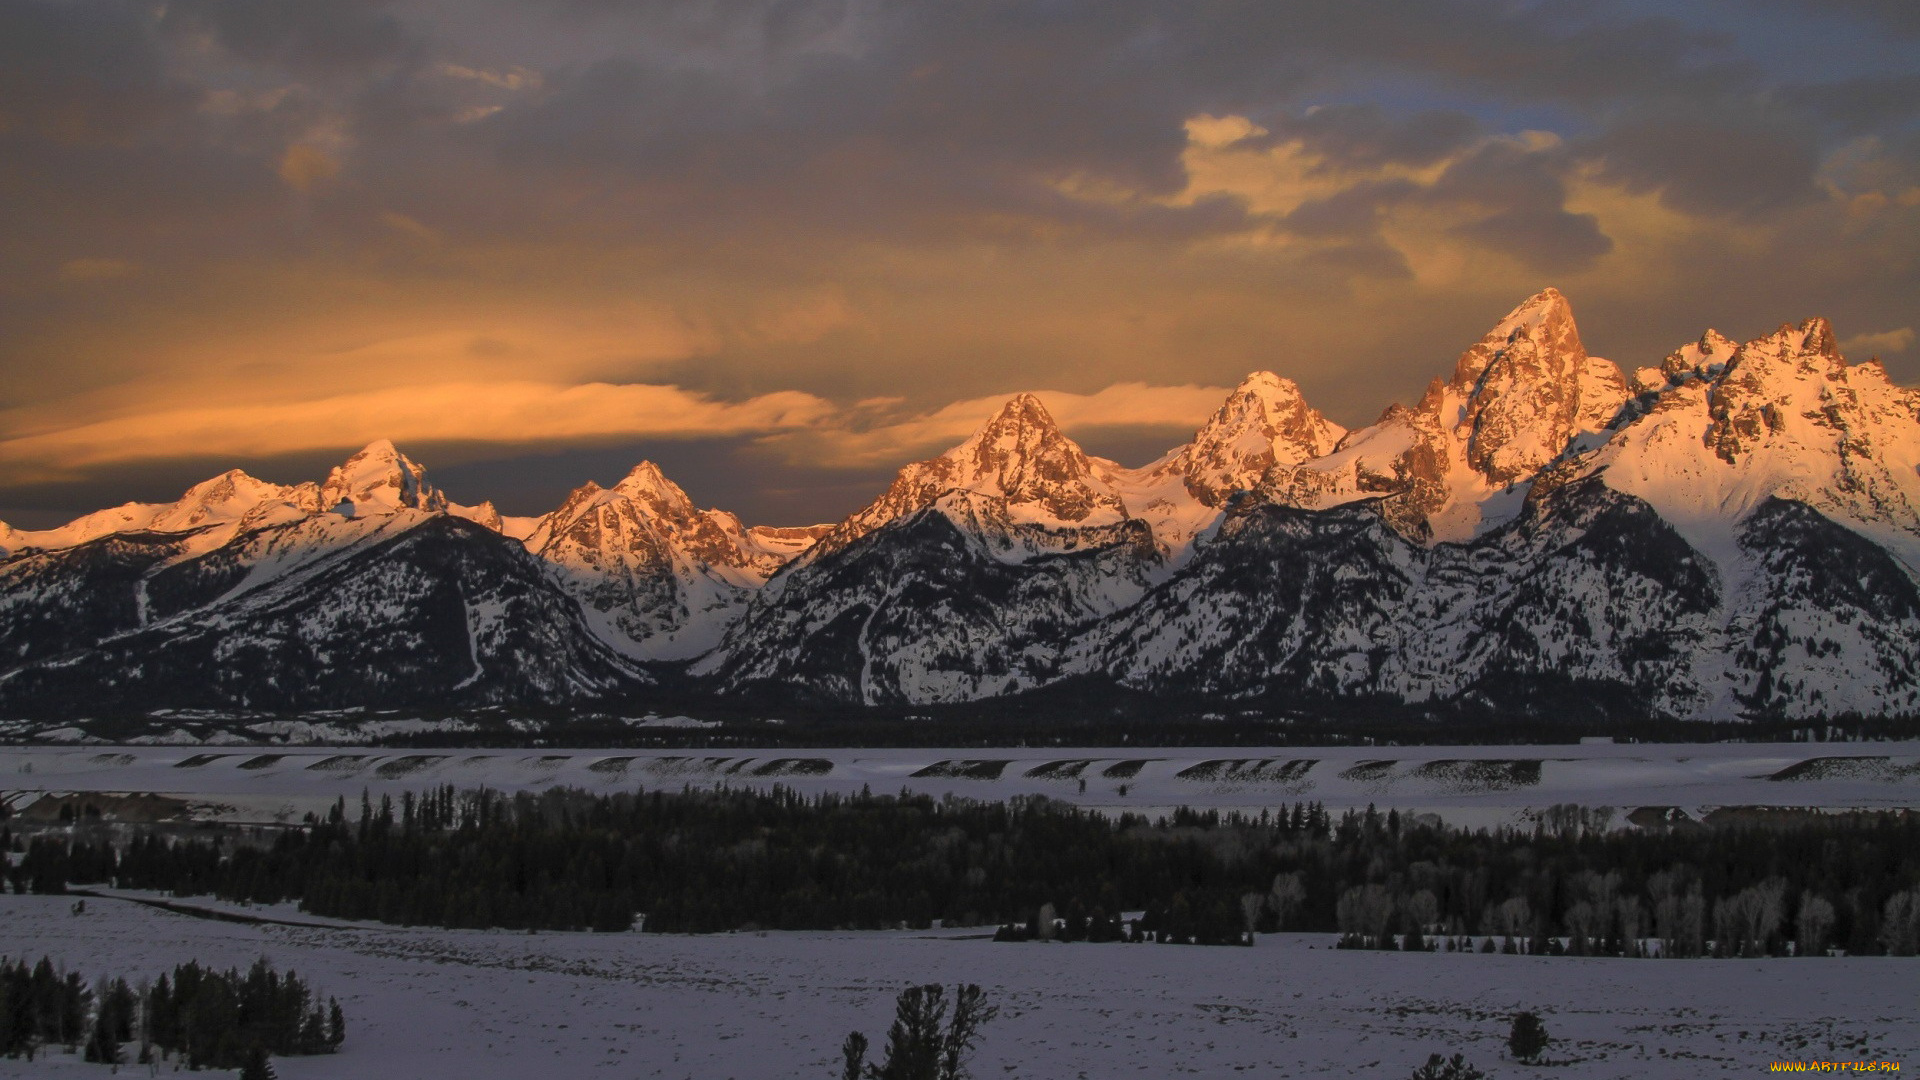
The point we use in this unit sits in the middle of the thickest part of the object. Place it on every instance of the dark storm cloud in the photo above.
(82, 73)
(1526, 197)
(891, 118)
(300, 36)
(972, 108)
(1900, 17)
(992, 186)
(1515, 195)
(1868, 103)
(1365, 135)
(1736, 161)
(1352, 212)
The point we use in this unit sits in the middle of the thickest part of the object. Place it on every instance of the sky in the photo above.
(784, 246)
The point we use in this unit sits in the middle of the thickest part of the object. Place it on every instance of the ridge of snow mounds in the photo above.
(1449, 467)
(659, 577)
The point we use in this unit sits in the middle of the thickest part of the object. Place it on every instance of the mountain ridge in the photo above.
(1686, 541)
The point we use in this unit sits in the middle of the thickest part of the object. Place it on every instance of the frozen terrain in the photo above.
(1471, 785)
(480, 1005)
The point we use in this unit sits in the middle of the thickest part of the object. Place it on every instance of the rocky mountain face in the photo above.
(660, 578)
(1734, 531)
(1517, 400)
(965, 580)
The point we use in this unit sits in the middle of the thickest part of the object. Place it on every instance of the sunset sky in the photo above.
(783, 247)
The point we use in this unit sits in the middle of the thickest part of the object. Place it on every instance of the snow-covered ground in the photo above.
(1470, 785)
(479, 1005)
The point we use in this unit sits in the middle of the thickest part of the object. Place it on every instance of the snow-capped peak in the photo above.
(1451, 466)
(1545, 312)
(1022, 455)
(1705, 358)
(655, 575)
(1780, 416)
(379, 480)
(1020, 461)
(649, 485)
(1264, 422)
(1525, 389)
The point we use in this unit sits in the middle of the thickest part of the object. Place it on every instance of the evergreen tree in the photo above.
(257, 1066)
(917, 1048)
(853, 1053)
(913, 1042)
(970, 1013)
(1454, 1068)
(102, 1047)
(1528, 1038)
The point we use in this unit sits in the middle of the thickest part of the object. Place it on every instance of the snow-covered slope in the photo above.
(658, 577)
(1782, 416)
(1735, 531)
(1265, 423)
(1455, 464)
(1023, 487)
(966, 579)
(1738, 541)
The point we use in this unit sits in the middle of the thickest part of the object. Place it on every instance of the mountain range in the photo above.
(1733, 532)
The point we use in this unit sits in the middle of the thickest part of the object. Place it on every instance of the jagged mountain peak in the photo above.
(1450, 467)
(1704, 358)
(1545, 320)
(1528, 387)
(1020, 460)
(663, 497)
(1022, 430)
(1266, 421)
(379, 479)
(1792, 390)
(1022, 455)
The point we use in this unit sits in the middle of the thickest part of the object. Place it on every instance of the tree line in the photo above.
(204, 1017)
(703, 861)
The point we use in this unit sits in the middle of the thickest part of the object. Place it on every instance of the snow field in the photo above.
(485, 1005)
(1479, 785)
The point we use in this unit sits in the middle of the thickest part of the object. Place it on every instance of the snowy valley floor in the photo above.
(483, 1005)
(1467, 785)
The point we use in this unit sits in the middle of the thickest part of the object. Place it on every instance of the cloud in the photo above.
(1364, 135)
(1735, 161)
(339, 35)
(79, 74)
(1889, 341)
(1353, 205)
(95, 269)
(492, 412)
(514, 78)
(920, 199)
(1858, 104)
(884, 439)
(305, 167)
(1899, 17)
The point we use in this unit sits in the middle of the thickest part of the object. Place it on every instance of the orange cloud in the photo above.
(85, 270)
(305, 167)
(491, 412)
(1890, 341)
